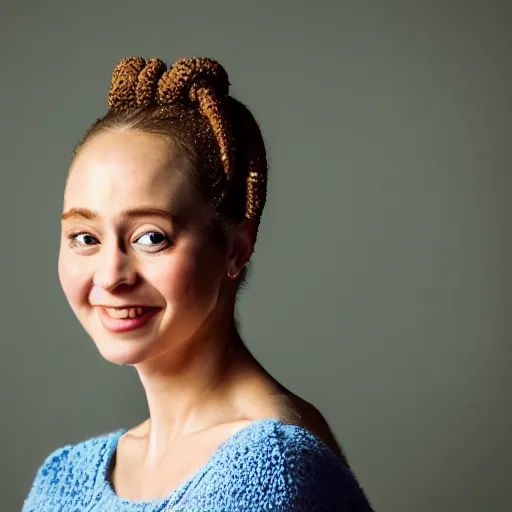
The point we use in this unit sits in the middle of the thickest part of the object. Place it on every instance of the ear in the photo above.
(242, 245)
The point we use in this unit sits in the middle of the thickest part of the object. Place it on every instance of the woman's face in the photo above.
(135, 233)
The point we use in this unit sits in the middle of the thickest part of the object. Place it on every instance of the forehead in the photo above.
(115, 171)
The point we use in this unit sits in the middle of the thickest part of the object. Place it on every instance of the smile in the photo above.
(126, 319)
(126, 312)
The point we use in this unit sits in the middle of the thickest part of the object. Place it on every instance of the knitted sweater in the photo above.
(268, 465)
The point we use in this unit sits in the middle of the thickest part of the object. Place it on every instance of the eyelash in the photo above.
(73, 234)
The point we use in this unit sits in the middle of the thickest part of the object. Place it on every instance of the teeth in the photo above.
(125, 313)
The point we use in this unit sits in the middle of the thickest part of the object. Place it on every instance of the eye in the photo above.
(86, 238)
(153, 237)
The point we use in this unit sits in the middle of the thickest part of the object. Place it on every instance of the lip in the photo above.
(122, 306)
(126, 324)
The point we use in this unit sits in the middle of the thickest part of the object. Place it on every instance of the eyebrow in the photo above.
(84, 213)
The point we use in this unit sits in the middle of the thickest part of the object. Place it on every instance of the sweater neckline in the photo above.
(108, 492)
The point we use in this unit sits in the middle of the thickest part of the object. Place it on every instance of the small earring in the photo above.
(233, 276)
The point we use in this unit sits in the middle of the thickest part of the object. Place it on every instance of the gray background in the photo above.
(381, 281)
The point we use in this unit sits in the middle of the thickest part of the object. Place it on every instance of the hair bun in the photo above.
(134, 82)
(148, 79)
(123, 87)
(186, 76)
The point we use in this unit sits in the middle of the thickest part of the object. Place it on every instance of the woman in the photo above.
(161, 211)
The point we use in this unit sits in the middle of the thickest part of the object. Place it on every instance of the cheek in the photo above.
(190, 280)
(72, 278)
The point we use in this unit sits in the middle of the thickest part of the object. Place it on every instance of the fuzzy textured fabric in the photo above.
(268, 465)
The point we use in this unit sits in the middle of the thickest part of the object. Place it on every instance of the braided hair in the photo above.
(189, 104)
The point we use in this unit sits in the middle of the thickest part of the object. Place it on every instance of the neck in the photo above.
(191, 387)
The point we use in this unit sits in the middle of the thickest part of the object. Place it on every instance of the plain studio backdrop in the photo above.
(380, 287)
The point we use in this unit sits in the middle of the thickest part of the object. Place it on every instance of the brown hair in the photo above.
(189, 104)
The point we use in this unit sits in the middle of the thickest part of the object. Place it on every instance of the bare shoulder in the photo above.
(138, 431)
(297, 411)
(269, 398)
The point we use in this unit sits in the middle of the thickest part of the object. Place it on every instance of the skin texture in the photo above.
(201, 382)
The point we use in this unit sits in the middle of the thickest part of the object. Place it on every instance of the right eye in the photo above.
(86, 237)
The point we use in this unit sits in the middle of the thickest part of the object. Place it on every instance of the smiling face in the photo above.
(135, 232)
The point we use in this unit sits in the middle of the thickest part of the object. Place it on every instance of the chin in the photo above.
(121, 350)
(121, 354)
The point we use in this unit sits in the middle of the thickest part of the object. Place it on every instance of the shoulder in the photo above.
(83, 452)
(271, 465)
(63, 466)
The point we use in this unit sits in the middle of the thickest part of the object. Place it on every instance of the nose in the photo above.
(114, 268)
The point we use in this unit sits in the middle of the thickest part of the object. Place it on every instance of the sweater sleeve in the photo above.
(47, 477)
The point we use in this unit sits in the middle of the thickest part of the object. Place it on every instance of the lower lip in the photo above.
(126, 324)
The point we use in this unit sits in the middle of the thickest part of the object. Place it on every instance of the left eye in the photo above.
(154, 238)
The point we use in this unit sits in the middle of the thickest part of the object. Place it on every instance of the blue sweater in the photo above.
(268, 465)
